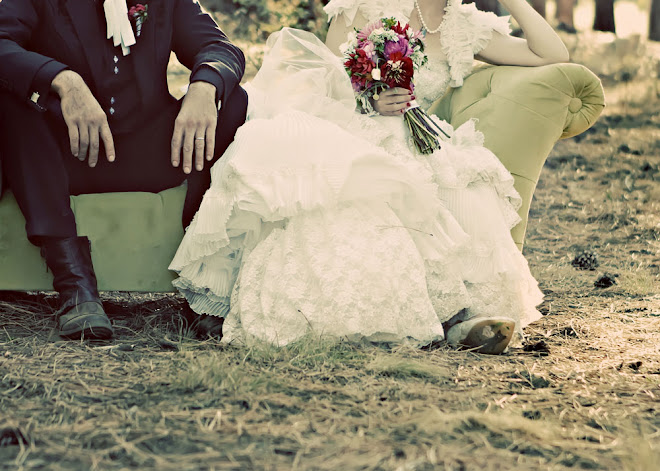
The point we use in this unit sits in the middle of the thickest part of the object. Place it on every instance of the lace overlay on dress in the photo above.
(358, 294)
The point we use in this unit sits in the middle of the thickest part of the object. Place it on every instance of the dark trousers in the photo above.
(42, 173)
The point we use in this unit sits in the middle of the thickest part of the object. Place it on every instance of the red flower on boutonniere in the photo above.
(138, 14)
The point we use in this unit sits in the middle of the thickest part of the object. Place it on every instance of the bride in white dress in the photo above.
(323, 221)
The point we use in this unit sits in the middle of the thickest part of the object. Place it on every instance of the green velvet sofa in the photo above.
(522, 112)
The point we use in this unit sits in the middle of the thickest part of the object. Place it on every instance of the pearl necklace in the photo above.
(421, 20)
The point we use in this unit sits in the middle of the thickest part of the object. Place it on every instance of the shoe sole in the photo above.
(488, 337)
(99, 330)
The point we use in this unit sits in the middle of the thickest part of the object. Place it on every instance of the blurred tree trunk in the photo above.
(486, 5)
(654, 21)
(604, 17)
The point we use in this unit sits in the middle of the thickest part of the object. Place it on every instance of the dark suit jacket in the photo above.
(40, 38)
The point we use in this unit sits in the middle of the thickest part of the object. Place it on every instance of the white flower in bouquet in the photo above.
(350, 45)
(381, 36)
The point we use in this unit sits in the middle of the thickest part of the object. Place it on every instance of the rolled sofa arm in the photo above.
(522, 112)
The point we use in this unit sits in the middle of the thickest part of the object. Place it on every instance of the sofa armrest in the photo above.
(522, 112)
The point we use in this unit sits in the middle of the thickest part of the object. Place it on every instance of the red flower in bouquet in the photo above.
(360, 67)
(401, 30)
(360, 63)
(398, 71)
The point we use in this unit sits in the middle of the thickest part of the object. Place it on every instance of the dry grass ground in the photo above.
(586, 394)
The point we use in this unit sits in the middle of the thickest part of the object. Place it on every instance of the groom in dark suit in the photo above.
(82, 111)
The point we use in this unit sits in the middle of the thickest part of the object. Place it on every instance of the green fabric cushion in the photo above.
(134, 236)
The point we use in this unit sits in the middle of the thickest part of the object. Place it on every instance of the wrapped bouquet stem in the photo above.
(386, 55)
(424, 132)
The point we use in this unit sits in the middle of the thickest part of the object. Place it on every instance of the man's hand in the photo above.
(393, 101)
(84, 117)
(195, 127)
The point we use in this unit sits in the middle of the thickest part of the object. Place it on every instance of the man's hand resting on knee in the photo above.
(194, 127)
(84, 117)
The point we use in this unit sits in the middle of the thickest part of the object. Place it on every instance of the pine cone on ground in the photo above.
(587, 260)
(606, 280)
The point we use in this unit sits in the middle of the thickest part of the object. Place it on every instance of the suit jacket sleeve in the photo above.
(22, 72)
(200, 45)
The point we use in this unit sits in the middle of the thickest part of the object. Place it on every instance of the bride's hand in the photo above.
(393, 101)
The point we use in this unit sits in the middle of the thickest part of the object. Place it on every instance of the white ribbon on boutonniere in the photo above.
(118, 24)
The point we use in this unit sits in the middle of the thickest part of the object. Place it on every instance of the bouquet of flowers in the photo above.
(385, 55)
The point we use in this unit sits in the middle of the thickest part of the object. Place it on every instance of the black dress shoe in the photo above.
(209, 327)
(204, 326)
(81, 313)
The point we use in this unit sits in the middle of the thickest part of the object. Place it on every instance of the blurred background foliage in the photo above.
(254, 20)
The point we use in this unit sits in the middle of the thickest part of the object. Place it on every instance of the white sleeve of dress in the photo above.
(372, 10)
(465, 33)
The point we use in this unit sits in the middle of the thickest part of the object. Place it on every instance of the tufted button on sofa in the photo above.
(521, 111)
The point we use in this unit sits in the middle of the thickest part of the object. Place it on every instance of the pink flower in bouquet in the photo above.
(417, 35)
(369, 49)
(363, 35)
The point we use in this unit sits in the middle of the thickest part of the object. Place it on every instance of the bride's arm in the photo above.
(542, 45)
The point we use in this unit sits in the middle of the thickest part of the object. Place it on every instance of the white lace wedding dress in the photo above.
(325, 221)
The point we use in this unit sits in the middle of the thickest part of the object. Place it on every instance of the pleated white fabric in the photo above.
(321, 220)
